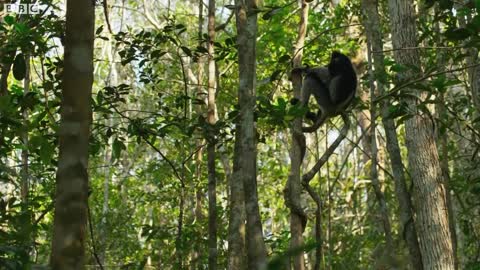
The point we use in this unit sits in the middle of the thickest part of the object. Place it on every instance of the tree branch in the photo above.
(343, 133)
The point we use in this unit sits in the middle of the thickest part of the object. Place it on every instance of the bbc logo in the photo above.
(24, 8)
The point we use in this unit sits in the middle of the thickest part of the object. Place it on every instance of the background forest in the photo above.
(161, 135)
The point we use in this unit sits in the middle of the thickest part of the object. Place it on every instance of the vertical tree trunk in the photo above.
(293, 188)
(364, 121)
(111, 79)
(432, 213)
(472, 58)
(374, 173)
(200, 95)
(212, 120)
(71, 198)
(374, 34)
(442, 142)
(25, 174)
(373, 140)
(246, 152)
(6, 59)
(474, 77)
(236, 222)
(103, 237)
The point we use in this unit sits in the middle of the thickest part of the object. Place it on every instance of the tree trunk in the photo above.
(293, 188)
(6, 60)
(246, 152)
(374, 34)
(432, 213)
(442, 142)
(374, 160)
(212, 120)
(200, 95)
(71, 198)
(25, 186)
(236, 222)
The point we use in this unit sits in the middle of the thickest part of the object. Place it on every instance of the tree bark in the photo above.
(212, 120)
(71, 198)
(199, 96)
(6, 59)
(236, 222)
(293, 189)
(25, 187)
(427, 177)
(442, 142)
(374, 160)
(374, 34)
(246, 152)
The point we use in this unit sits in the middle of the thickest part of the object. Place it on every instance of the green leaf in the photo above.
(19, 67)
(10, 20)
(117, 148)
(157, 53)
(5, 103)
(180, 26)
(274, 75)
(289, 118)
(202, 49)
(99, 30)
(22, 28)
(46, 152)
(284, 58)
(282, 103)
(187, 51)
(109, 133)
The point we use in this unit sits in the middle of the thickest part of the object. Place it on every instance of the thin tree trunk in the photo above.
(236, 222)
(200, 95)
(474, 77)
(293, 188)
(212, 120)
(319, 254)
(442, 141)
(103, 237)
(71, 198)
(5, 65)
(472, 59)
(246, 16)
(111, 79)
(24, 189)
(432, 213)
(372, 20)
(364, 122)
(179, 241)
(374, 152)
(25, 174)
